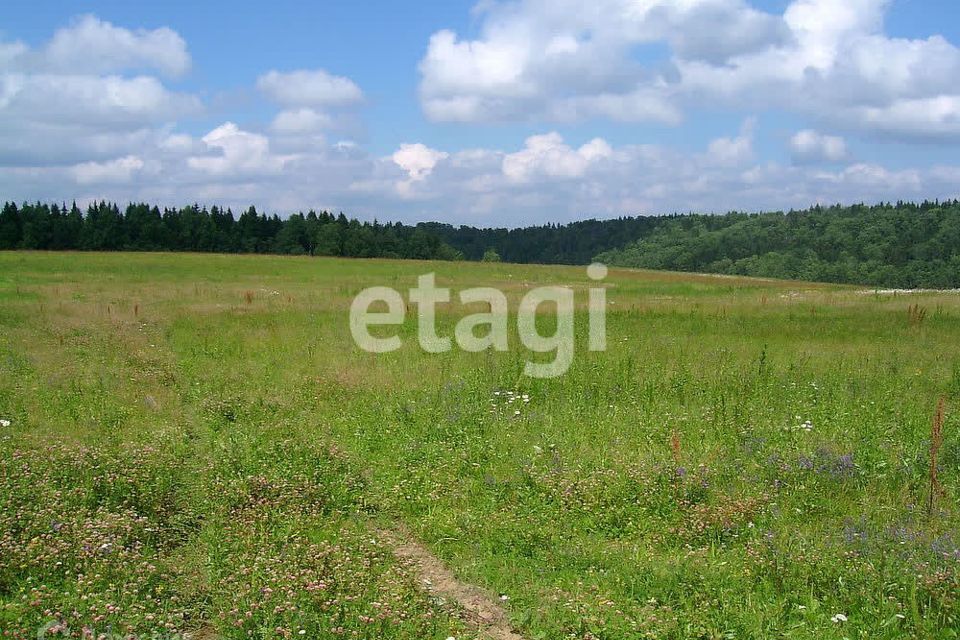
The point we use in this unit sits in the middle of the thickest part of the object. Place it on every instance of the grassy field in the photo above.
(195, 446)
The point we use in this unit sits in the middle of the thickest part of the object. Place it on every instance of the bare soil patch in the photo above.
(480, 607)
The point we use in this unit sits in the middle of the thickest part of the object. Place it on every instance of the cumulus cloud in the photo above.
(548, 155)
(110, 101)
(547, 179)
(828, 60)
(114, 171)
(809, 146)
(180, 143)
(91, 45)
(732, 151)
(543, 179)
(237, 152)
(309, 88)
(304, 120)
(68, 100)
(418, 162)
(108, 126)
(562, 59)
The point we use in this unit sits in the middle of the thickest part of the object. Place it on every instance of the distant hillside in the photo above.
(574, 243)
(902, 245)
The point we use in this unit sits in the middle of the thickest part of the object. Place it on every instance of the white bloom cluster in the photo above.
(507, 401)
(806, 425)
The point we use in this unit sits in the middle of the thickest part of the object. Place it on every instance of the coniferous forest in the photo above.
(140, 227)
(891, 245)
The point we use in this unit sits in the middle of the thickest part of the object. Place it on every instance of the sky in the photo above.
(486, 113)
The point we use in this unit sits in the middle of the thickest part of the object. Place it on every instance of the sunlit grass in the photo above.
(748, 459)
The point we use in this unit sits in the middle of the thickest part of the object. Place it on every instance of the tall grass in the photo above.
(936, 444)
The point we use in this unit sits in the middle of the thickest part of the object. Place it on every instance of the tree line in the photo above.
(573, 243)
(891, 245)
(140, 227)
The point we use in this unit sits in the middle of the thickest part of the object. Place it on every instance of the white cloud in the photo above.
(237, 152)
(10, 52)
(732, 151)
(548, 155)
(566, 60)
(827, 60)
(303, 120)
(114, 171)
(418, 160)
(91, 45)
(309, 88)
(178, 143)
(936, 119)
(544, 179)
(112, 101)
(809, 146)
(66, 101)
(106, 128)
(65, 118)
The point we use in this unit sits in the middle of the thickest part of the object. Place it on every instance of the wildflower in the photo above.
(4, 422)
(517, 412)
(504, 597)
(845, 464)
(838, 618)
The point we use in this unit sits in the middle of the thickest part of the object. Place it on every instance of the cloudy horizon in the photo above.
(488, 114)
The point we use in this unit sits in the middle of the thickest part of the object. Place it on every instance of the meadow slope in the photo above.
(196, 446)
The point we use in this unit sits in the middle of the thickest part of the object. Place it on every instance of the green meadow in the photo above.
(193, 446)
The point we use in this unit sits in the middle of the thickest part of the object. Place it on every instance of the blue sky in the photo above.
(490, 113)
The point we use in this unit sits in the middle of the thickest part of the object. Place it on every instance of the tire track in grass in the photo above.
(479, 606)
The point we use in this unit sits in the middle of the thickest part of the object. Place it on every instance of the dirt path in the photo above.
(481, 608)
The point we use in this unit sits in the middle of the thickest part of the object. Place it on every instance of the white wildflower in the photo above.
(5, 423)
(839, 618)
